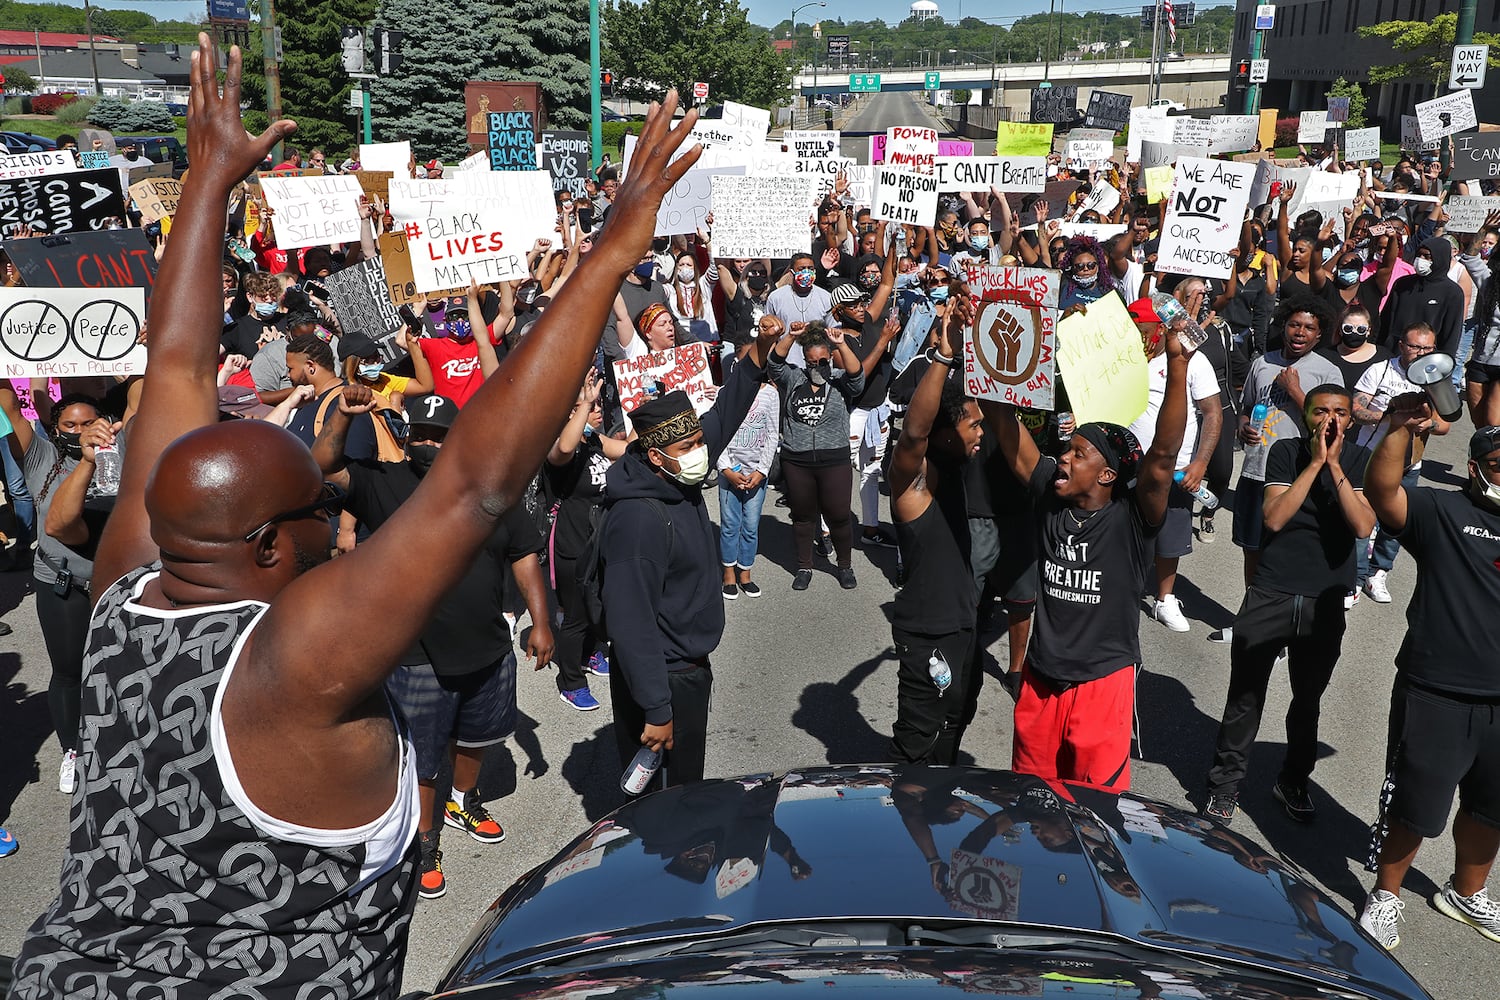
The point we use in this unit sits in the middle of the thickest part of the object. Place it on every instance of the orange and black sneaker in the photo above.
(473, 818)
(433, 884)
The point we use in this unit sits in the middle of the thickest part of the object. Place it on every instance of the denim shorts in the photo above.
(474, 710)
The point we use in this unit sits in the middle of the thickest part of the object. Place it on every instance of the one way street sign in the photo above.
(1469, 64)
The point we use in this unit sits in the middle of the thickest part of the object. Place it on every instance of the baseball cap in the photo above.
(241, 401)
(354, 344)
(433, 165)
(846, 293)
(1483, 441)
(1142, 311)
(431, 410)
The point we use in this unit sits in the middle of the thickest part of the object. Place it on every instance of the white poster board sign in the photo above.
(1466, 213)
(1362, 144)
(38, 164)
(392, 156)
(762, 216)
(314, 211)
(755, 121)
(816, 144)
(1446, 115)
(905, 196)
(1088, 152)
(70, 332)
(1146, 123)
(685, 208)
(685, 368)
(1190, 131)
(980, 173)
(1312, 126)
(1411, 136)
(475, 226)
(1204, 213)
(1233, 133)
(912, 148)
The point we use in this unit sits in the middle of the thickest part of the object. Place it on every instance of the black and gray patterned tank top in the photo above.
(169, 890)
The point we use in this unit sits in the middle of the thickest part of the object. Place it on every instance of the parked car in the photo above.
(825, 103)
(918, 881)
(608, 115)
(26, 142)
(162, 149)
(177, 110)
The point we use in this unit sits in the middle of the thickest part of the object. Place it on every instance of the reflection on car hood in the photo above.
(930, 844)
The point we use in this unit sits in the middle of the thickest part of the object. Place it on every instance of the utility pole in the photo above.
(273, 69)
(88, 26)
(1047, 70)
(1464, 34)
(596, 97)
(1155, 50)
(1257, 51)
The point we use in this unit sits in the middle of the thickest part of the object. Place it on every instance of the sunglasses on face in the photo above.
(1356, 328)
(330, 501)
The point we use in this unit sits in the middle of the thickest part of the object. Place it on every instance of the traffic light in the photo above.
(607, 81)
(388, 56)
(1242, 72)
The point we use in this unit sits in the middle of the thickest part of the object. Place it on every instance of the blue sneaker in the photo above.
(8, 843)
(582, 699)
(599, 664)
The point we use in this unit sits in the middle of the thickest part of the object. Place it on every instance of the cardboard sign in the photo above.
(1023, 139)
(911, 148)
(685, 208)
(1466, 213)
(1204, 213)
(1338, 110)
(1267, 134)
(762, 216)
(1411, 136)
(156, 198)
(511, 140)
(374, 183)
(395, 258)
(685, 368)
(1476, 156)
(93, 159)
(980, 173)
(1446, 115)
(1362, 144)
(1054, 104)
(755, 122)
(64, 203)
(38, 164)
(314, 211)
(1107, 110)
(946, 147)
(904, 196)
(111, 258)
(812, 144)
(392, 156)
(69, 332)
(476, 226)
(1008, 353)
(1099, 354)
(361, 299)
(1312, 126)
(565, 155)
(1146, 123)
(1233, 133)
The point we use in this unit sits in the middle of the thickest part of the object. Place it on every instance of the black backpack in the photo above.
(590, 566)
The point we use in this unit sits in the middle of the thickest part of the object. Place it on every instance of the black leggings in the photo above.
(820, 489)
(575, 639)
(65, 628)
(1221, 463)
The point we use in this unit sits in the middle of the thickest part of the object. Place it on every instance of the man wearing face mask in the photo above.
(746, 285)
(1443, 731)
(457, 684)
(452, 353)
(801, 301)
(660, 569)
(1428, 296)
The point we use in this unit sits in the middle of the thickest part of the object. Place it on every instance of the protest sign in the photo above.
(1099, 356)
(1411, 136)
(825, 170)
(1102, 198)
(474, 161)
(1233, 133)
(1158, 182)
(93, 159)
(1058, 105)
(1088, 153)
(682, 368)
(762, 216)
(1362, 144)
(756, 122)
(1146, 123)
(724, 145)
(1101, 231)
(147, 169)
(478, 225)
(314, 211)
(980, 173)
(1476, 156)
(1008, 353)
(904, 196)
(110, 258)
(1023, 139)
(861, 178)
(395, 257)
(375, 183)
(812, 143)
(770, 160)
(685, 208)
(1107, 110)
(40, 163)
(1204, 212)
(361, 298)
(62, 203)
(1161, 154)
(912, 148)
(1446, 115)
(565, 155)
(70, 332)
(1466, 213)
(1190, 131)
(1338, 110)
(1312, 126)
(946, 147)
(510, 138)
(1267, 135)
(156, 198)
(392, 156)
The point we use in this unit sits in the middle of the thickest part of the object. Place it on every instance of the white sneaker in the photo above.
(1382, 914)
(1375, 588)
(1168, 611)
(1479, 911)
(1351, 599)
(67, 775)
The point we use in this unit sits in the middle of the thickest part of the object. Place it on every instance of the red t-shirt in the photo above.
(455, 367)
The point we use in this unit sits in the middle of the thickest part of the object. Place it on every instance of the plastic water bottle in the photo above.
(106, 480)
(937, 669)
(641, 770)
(1175, 316)
(1064, 416)
(1258, 417)
(1203, 493)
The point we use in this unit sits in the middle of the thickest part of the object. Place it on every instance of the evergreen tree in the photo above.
(314, 86)
(657, 44)
(547, 43)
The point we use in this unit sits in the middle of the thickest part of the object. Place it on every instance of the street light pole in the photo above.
(792, 35)
(88, 25)
(596, 94)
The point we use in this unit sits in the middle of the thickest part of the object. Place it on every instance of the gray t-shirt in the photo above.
(1284, 419)
(268, 367)
(38, 466)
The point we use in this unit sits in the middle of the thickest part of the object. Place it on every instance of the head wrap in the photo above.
(1121, 450)
(667, 419)
(648, 316)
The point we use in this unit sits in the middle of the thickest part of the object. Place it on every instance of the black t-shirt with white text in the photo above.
(1456, 543)
(579, 488)
(1314, 552)
(1093, 566)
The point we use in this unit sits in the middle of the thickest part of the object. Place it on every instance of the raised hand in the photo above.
(835, 335)
(218, 146)
(1288, 190)
(356, 399)
(653, 172)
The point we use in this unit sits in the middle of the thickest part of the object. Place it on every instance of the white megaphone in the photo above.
(1434, 373)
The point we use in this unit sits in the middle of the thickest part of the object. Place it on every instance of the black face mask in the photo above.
(421, 457)
(69, 445)
(757, 282)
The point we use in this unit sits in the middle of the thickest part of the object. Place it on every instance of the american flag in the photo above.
(1171, 20)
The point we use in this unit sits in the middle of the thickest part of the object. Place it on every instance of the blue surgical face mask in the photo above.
(371, 372)
(1346, 278)
(979, 241)
(938, 293)
(265, 310)
(645, 271)
(1327, 254)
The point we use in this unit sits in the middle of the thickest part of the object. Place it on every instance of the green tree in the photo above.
(17, 78)
(1356, 95)
(1427, 46)
(547, 43)
(656, 44)
(314, 86)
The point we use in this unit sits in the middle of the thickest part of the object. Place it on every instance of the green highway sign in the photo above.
(864, 83)
(930, 82)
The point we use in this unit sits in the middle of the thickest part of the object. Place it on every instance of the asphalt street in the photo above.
(809, 678)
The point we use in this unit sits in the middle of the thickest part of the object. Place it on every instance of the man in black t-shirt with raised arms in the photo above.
(1314, 510)
(1077, 697)
(1444, 730)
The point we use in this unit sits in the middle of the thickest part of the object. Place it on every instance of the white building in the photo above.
(923, 10)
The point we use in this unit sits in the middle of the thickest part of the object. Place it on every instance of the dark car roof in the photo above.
(716, 857)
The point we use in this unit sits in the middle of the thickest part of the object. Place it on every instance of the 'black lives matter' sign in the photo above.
(565, 155)
(512, 140)
(1058, 105)
(82, 201)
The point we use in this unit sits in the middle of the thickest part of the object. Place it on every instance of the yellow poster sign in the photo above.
(1103, 364)
(1023, 139)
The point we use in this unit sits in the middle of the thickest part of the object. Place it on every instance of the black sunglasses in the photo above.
(330, 501)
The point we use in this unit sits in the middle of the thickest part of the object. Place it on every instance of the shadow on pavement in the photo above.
(830, 714)
(593, 770)
(24, 727)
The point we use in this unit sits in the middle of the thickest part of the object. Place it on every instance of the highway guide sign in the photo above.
(1469, 64)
